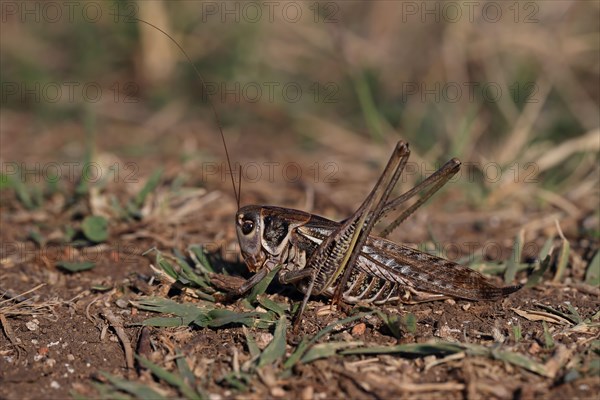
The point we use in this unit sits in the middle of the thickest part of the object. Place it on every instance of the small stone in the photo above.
(277, 391)
(263, 339)
(51, 362)
(359, 329)
(121, 303)
(32, 325)
(444, 332)
(534, 348)
(55, 385)
(70, 357)
(497, 335)
(307, 392)
(43, 351)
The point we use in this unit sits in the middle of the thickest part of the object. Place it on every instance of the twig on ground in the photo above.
(117, 325)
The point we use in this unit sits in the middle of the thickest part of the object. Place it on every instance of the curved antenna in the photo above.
(205, 88)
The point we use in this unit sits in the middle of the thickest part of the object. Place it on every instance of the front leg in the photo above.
(286, 277)
(235, 287)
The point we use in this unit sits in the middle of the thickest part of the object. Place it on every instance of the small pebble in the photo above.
(308, 393)
(263, 339)
(534, 348)
(277, 392)
(122, 303)
(55, 385)
(32, 325)
(359, 329)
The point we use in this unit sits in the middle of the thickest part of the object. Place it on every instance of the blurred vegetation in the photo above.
(521, 88)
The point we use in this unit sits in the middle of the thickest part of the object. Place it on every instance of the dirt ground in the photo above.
(60, 329)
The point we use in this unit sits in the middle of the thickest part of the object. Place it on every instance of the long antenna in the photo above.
(205, 88)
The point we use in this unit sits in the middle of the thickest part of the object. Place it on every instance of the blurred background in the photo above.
(312, 97)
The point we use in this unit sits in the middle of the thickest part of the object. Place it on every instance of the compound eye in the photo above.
(247, 226)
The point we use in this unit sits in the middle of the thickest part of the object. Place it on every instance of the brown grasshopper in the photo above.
(342, 260)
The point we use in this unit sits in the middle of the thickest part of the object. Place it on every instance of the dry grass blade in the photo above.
(590, 142)
(532, 315)
(20, 304)
(448, 358)
(563, 256)
(524, 124)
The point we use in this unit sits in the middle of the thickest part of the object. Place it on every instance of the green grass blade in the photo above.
(151, 184)
(575, 317)
(306, 343)
(184, 368)
(517, 333)
(108, 391)
(75, 266)
(187, 312)
(141, 391)
(277, 308)
(200, 259)
(169, 377)
(592, 273)
(166, 322)
(262, 285)
(520, 360)
(188, 272)
(515, 258)
(95, 228)
(420, 349)
(253, 348)
(367, 104)
(276, 348)
(324, 350)
(220, 317)
(548, 341)
(537, 275)
(546, 248)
